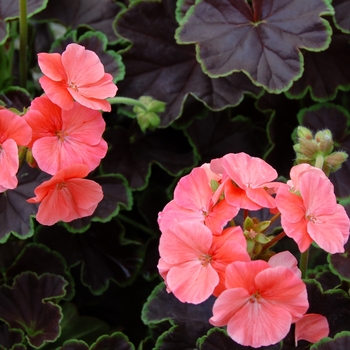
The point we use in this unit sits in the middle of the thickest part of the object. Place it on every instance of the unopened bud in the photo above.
(335, 160)
(30, 159)
(308, 147)
(325, 140)
(303, 132)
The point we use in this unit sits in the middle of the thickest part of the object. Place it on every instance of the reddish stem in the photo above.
(273, 241)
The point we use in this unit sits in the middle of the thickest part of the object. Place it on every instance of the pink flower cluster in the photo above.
(63, 132)
(203, 253)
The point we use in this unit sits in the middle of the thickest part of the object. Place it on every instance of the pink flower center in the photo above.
(61, 185)
(73, 86)
(311, 218)
(255, 297)
(205, 259)
(61, 135)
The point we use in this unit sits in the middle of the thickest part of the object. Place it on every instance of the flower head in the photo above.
(67, 196)
(14, 132)
(77, 74)
(62, 138)
(309, 211)
(260, 303)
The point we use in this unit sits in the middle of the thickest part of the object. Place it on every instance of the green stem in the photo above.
(23, 32)
(136, 224)
(127, 101)
(304, 258)
(319, 161)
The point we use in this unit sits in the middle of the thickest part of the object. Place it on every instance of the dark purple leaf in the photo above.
(341, 16)
(219, 134)
(334, 118)
(8, 338)
(341, 341)
(102, 250)
(116, 341)
(15, 211)
(156, 66)
(191, 321)
(9, 9)
(340, 263)
(15, 97)
(333, 304)
(116, 194)
(31, 259)
(86, 329)
(98, 15)
(74, 345)
(325, 72)
(25, 306)
(132, 153)
(182, 6)
(218, 339)
(96, 42)
(261, 40)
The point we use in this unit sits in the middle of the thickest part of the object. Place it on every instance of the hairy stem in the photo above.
(127, 101)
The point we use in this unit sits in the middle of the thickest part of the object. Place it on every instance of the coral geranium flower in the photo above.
(67, 196)
(62, 138)
(252, 187)
(195, 200)
(77, 74)
(14, 131)
(193, 261)
(260, 303)
(309, 211)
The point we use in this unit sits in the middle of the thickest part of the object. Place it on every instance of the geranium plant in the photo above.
(174, 174)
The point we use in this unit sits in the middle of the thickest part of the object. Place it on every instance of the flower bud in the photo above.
(335, 160)
(305, 133)
(30, 159)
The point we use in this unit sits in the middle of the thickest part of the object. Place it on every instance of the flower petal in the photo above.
(312, 328)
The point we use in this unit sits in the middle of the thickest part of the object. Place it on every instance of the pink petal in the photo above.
(14, 127)
(259, 324)
(191, 282)
(8, 165)
(290, 205)
(57, 92)
(281, 286)
(186, 241)
(247, 171)
(51, 65)
(287, 259)
(312, 328)
(93, 103)
(261, 197)
(100, 89)
(82, 66)
(193, 191)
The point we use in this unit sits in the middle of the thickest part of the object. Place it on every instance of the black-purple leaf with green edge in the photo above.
(115, 341)
(341, 15)
(339, 263)
(156, 66)
(98, 15)
(105, 255)
(96, 42)
(218, 338)
(341, 341)
(116, 194)
(16, 97)
(336, 119)
(29, 305)
(132, 153)
(219, 134)
(15, 212)
(262, 40)
(9, 9)
(325, 72)
(182, 6)
(74, 345)
(192, 320)
(333, 304)
(31, 259)
(9, 337)
(86, 329)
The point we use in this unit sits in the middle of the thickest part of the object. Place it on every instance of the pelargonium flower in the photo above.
(62, 138)
(252, 181)
(195, 200)
(14, 132)
(193, 261)
(77, 74)
(67, 196)
(260, 303)
(309, 211)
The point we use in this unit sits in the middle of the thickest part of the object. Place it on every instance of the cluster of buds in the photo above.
(318, 150)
